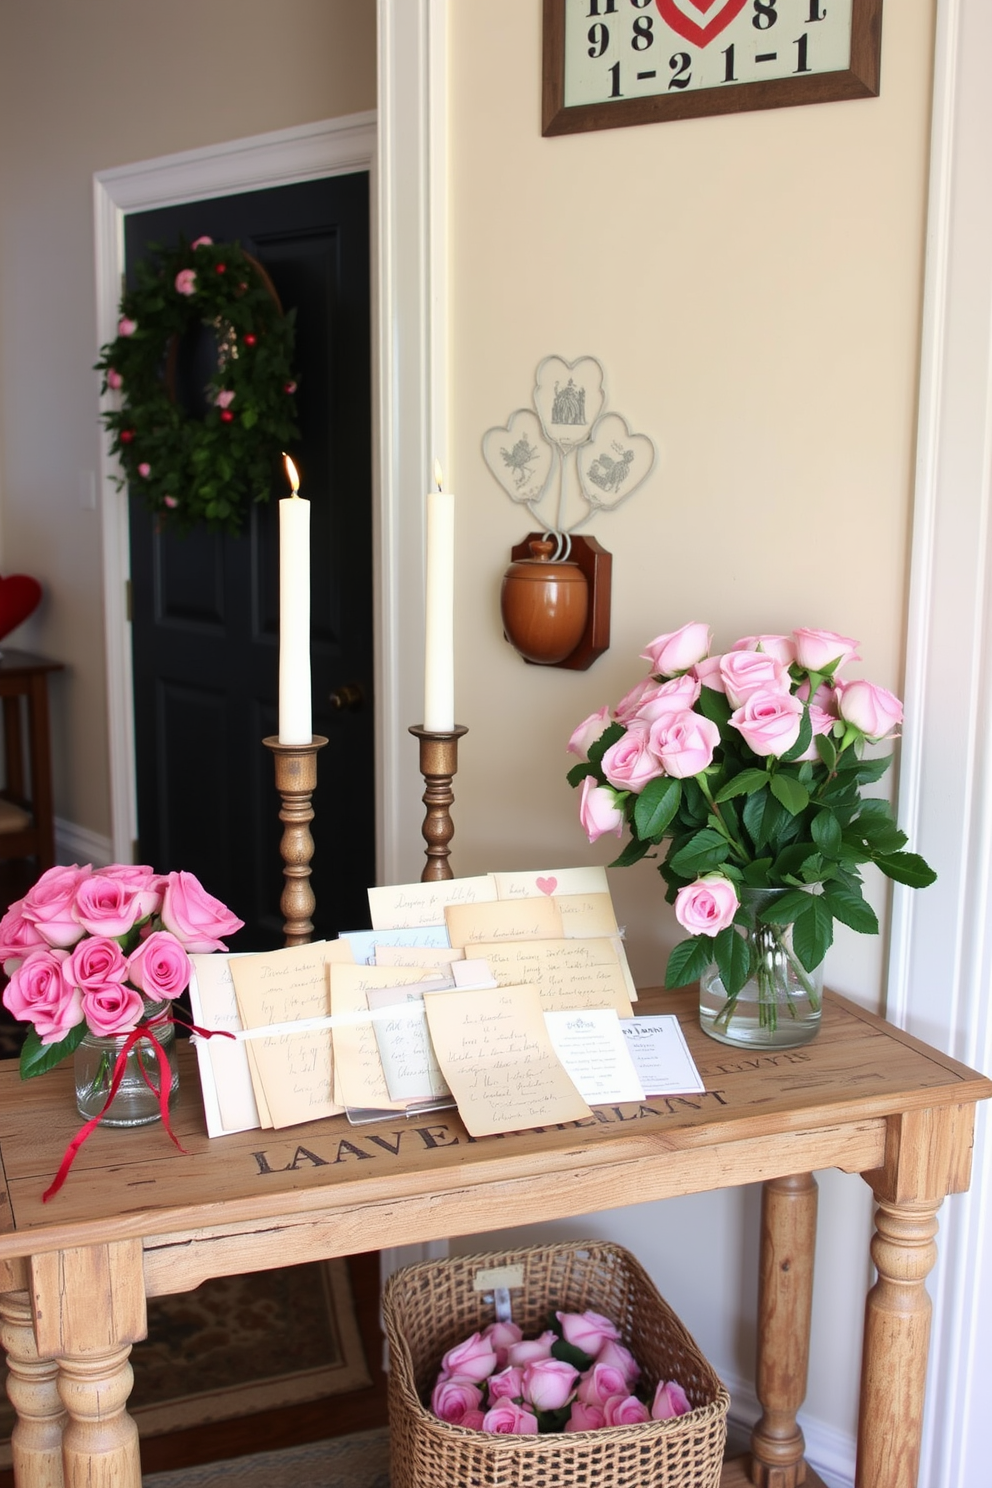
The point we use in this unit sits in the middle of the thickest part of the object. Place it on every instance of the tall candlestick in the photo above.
(295, 720)
(439, 644)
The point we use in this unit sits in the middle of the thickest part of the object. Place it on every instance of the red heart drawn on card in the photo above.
(19, 598)
(678, 21)
(547, 885)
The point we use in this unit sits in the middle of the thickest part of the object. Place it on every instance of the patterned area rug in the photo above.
(241, 1344)
(358, 1461)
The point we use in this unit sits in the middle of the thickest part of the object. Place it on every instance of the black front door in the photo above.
(205, 607)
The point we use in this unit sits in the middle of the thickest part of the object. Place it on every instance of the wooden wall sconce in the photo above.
(555, 601)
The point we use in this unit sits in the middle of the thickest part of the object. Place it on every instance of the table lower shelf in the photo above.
(735, 1475)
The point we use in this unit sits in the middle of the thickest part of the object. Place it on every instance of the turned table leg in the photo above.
(897, 1336)
(33, 1390)
(100, 1440)
(785, 1301)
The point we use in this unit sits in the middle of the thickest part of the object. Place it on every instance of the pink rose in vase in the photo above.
(707, 906)
(196, 918)
(142, 881)
(769, 722)
(684, 743)
(588, 731)
(49, 905)
(18, 937)
(816, 650)
(631, 762)
(160, 968)
(95, 963)
(679, 650)
(598, 810)
(872, 709)
(113, 1009)
(38, 993)
(106, 906)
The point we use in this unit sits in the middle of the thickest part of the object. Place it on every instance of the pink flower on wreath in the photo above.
(114, 378)
(95, 963)
(202, 242)
(126, 326)
(144, 470)
(38, 993)
(49, 904)
(160, 968)
(186, 282)
(196, 918)
(508, 1419)
(224, 398)
(115, 1009)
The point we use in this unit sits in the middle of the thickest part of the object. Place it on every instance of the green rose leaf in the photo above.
(569, 1354)
(632, 853)
(744, 784)
(827, 750)
(803, 742)
(813, 931)
(704, 851)
(610, 736)
(906, 868)
(656, 806)
(827, 833)
(688, 960)
(789, 793)
(787, 908)
(714, 706)
(579, 772)
(38, 1058)
(733, 957)
(850, 907)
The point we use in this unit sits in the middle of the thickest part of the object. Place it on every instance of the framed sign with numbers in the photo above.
(609, 63)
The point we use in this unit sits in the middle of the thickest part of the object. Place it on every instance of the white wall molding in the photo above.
(411, 390)
(75, 844)
(282, 158)
(940, 983)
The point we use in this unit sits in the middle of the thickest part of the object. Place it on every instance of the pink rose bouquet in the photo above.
(750, 764)
(101, 950)
(576, 1376)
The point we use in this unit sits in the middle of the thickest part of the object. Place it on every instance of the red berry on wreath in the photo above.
(222, 268)
(125, 436)
(289, 387)
(250, 339)
(226, 416)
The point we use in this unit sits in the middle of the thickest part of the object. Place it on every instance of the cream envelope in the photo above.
(361, 1083)
(405, 1050)
(517, 919)
(551, 882)
(225, 1079)
(587, 914)
(497, 1057)
(567, 973)
(426, 956)
(420, 905)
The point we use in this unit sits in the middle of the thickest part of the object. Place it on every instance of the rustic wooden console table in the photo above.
(137, 1219)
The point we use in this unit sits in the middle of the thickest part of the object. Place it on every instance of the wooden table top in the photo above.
(763, 1115)
(25, 663)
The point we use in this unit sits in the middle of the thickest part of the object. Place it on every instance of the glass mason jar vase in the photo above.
(136, 1102)
(780, 1004)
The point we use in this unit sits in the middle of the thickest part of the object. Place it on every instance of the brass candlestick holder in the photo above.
(296, 780)
(438, 763)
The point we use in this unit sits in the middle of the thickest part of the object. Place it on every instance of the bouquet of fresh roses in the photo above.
(751, 764)
(86, 949)
(577, 1376)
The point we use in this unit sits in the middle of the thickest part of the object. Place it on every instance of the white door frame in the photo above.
(404, 149)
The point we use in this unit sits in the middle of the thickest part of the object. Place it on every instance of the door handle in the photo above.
(348, 698)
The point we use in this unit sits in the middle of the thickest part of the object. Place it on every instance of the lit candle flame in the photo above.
(291, 475)
(438, 477)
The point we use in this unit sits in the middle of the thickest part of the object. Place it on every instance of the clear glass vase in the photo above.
(780, 1005)
(136, 1102)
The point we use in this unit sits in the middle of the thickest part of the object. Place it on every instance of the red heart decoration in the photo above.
(678, 21)
(19, 598)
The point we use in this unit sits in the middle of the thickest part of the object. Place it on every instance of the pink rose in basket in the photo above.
(625, 1410)
(453, 1397)
(112, 1010)
(472, 1420)
(549, 1383)
(501, 1336)
(18, 937)
(669, 1400)
(532, 1348)
(49, 905)
(105, 905)
(95, 963)
(508, 1419)
(601, 1382)
(584, 1417)
(475, 1359)
(39, 993)
(621, 1358)
(587, 1330)
(508, 1384)
(196, 918)
(160, 968)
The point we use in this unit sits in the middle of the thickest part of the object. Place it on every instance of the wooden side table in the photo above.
(25, 676)
(138, 1219)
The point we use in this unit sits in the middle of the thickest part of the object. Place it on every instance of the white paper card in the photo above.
(592, 1047)
(661, 1056)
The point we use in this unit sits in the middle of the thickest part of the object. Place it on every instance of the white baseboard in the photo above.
(829, 1451)
(75, 844)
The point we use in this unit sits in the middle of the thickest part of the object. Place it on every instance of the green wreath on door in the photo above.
(206, 470)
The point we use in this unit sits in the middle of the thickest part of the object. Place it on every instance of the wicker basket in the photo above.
(430, 1307)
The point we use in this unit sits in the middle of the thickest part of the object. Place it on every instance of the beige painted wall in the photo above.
(84, 88)
(753, 288)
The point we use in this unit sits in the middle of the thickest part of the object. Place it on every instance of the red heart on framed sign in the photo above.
(19, 598)
(673, 13)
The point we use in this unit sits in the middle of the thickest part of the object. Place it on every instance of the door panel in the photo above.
(205, 606)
